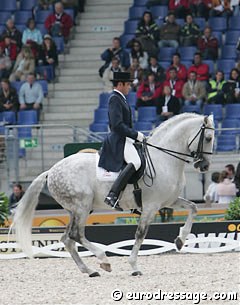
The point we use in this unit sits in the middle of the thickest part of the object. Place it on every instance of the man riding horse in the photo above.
(118, 148)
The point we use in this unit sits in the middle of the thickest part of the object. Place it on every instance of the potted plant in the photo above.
(233, 211)
(3, 208)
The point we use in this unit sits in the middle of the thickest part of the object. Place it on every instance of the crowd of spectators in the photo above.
(27, 55)
(194, 84)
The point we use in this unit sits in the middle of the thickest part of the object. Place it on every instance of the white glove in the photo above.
(140, 137)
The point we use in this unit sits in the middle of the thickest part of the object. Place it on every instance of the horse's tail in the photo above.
(22, 221)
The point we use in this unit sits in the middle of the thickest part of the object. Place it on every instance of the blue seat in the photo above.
(124, 39)
(98, 127)
(21, 27)
(165, 64)
(41, 16)
(225, 65)
(147, 114)
(218, 35)
(232, 37)
(231, 123)
(186, 63)
(41, 28)
(8, 5)
(130, 26)
(191, 108)
(4, 16)
(103, 99)
(136, 12)
(166, 53)
(201, 22)
(59, 41)
(20, 17)
(210, 64)
(218, 23)
(132, 98)
(140, 2)
(159, 21)
(101, 115)
(234, 23)
(232, 111)
(17, 85)
(159, 11)
(187, 53)
(27, 5)
(26, 133)
(216, 110)
(226, 142)
(229, 52)
(9, 117)
(180, 21)
(27, 117)
(44, 85)
(70, 12)
(46, 71)
(143, 126)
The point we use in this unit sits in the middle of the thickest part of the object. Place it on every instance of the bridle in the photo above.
(196, 155)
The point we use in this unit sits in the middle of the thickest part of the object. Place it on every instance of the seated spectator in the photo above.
(48, 53)
(31, 33)
(208, 45)
(9, 48)
(179, 7)
(181, 69)
(136, 73)
(221, 8)
(31, 95)
(226, 189)
(59, 23)
(5, 64)
(14, 33)
(149, 92)
(200, 8)
(15, 197)
(235, 4)
(230, 169)
(236, 180)
(148, 33)
(108, 74)
(174, 83)
(169, 33)
(194, 91)
(46, 4)
(200, 68)
(156, 68)
(167, 105)
(138, 52)
(211, 193)
(71, 4)
(231, 88)
(215, 89)
(24, 65)
(190, 32)
(8, 97)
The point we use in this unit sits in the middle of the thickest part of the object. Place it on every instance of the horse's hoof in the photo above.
(136, 273)
(94, 274)
(106, 267)
(178, 243)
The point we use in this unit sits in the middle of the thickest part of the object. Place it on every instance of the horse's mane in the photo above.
(173, 121)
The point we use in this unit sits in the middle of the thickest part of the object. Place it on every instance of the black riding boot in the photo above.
(119, 185)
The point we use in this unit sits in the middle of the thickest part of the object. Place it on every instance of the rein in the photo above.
(150, 170)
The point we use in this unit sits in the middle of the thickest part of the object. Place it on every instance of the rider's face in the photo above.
(125, 87)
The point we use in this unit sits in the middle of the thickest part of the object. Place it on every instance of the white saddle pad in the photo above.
(104, 175)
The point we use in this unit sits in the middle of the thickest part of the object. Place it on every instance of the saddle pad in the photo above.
(104, 175)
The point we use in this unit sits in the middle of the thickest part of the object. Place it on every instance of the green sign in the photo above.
(28, 143)
(73, 148)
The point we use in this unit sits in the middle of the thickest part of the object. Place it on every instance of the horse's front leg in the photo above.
(186, 229)
(141, 232)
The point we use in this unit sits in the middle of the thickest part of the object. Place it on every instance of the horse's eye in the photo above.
(208, 139)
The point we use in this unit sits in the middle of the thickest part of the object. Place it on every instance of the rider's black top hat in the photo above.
(122, 77)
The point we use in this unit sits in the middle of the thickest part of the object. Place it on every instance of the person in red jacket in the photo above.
(200, 68)
(208, 44)
(181, 69)
(174, 83)
(149, 92)
(9, 48)
(59, 23)
(179, 7)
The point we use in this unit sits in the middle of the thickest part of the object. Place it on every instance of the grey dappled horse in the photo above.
(72, 183)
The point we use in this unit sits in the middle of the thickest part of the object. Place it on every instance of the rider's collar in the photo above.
(120, 94)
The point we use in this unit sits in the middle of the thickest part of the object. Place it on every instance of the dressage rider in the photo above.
(118, 148)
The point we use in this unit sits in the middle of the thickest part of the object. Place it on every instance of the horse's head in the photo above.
(201, 144)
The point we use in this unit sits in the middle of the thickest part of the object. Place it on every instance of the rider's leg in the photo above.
(132, 158)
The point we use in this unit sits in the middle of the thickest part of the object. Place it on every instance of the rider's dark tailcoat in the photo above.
(120, 123)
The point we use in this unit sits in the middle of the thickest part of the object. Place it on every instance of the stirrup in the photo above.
(113, 202)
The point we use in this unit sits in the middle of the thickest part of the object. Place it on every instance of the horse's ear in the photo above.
(206, 119)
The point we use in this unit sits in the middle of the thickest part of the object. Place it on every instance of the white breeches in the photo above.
(131, 154)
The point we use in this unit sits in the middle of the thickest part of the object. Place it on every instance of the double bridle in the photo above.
(196, 155)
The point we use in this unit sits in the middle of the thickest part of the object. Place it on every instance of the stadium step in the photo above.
(80, 78)
(71, 108)
(76, 71)
(73, 102)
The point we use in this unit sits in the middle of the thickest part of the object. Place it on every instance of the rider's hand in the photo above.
(140, 137)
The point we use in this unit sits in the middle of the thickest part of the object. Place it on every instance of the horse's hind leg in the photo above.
(77, 233)
(186, 229)
(141, 232)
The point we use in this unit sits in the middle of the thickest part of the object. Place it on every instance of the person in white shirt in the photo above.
(211, 193)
